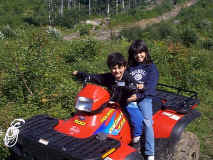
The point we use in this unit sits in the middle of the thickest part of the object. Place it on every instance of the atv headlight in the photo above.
(84, 104)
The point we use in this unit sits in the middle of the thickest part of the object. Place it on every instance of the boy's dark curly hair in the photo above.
(116, 58)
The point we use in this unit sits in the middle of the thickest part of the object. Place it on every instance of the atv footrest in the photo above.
(38, 138)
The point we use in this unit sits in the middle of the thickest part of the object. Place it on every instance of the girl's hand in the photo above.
(140, 86)
(133, 98)
(74, 73)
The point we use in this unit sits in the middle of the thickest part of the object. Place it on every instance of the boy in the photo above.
(117, 65)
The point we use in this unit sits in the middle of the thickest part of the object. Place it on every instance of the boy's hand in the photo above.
(133, 98)
(74, 73)
(140, 86)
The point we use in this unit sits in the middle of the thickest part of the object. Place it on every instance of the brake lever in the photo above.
(87, 79)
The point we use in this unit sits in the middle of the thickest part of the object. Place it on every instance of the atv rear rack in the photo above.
(177, 99)
(38, 138)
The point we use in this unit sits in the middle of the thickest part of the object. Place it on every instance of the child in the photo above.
(117, 65)
(144, 71)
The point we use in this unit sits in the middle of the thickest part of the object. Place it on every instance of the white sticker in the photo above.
(74, 129)
(172, 116)
(43, 141)
(107, 158)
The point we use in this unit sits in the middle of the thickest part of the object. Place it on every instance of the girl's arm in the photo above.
(150, 84)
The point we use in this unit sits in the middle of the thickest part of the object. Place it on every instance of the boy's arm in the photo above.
(100, 79)
(80, 75)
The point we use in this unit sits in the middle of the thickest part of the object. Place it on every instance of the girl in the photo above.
(144, 71)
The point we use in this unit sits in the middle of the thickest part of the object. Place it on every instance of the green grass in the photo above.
(55, 94)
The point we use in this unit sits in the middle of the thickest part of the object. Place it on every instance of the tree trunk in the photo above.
(61, 10)
(68, 4)
(108, 7)
(89, 7)
(116, 6)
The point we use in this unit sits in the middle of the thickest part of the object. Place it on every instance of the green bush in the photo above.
(131, 33)
(8, 32)
(206, 44)
(188, 36)
(81, 50)
(84, 30)
(53, 32)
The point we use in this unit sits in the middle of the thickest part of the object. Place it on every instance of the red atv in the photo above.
(100, 130)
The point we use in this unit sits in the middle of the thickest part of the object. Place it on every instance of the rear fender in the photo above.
(169, 124)
(182, 123)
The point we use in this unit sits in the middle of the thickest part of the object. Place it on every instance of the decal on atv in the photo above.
(110, 128)
(74, 129)
(107, 115)
(170, 115)
(108, 153)
(107, 158)
(115, 124)
(80, 122)
(43, 141)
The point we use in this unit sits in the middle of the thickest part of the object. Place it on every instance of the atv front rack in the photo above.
(38, 139)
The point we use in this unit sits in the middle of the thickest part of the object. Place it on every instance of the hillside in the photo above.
(36, 63)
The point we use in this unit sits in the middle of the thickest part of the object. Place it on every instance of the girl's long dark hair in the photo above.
(136, 47)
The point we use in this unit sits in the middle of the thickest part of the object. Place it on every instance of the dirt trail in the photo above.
(173, 13)
(106, 34)
(145, 22)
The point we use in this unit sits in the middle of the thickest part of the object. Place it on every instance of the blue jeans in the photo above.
(136, 118)
(145, 107)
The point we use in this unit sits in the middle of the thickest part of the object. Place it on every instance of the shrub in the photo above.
(84, 29)
(131, 33)
(53, 32)
(82, 49)
(8, 32)
(204, 24)
(188, 36)
(206, 44)
(2, 37)
(26, 67)
(161, 31)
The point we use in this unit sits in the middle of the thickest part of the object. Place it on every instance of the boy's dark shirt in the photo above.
(108, 80)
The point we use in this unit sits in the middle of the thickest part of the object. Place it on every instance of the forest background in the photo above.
(36, 62)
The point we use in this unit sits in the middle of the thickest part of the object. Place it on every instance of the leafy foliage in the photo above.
(81, 50)
(7, 32)
(35, 67)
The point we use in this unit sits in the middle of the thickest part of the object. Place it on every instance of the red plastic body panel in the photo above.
(98, 94)
(110, 120)
(164, 122)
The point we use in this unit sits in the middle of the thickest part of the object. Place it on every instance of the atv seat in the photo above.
(156, 105)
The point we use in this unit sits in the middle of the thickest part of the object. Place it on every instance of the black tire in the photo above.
(187, 148)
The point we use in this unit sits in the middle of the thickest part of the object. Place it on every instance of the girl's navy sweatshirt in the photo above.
(148, 75)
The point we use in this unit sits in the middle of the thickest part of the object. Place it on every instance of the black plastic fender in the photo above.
(181, 125)
(134, 156)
